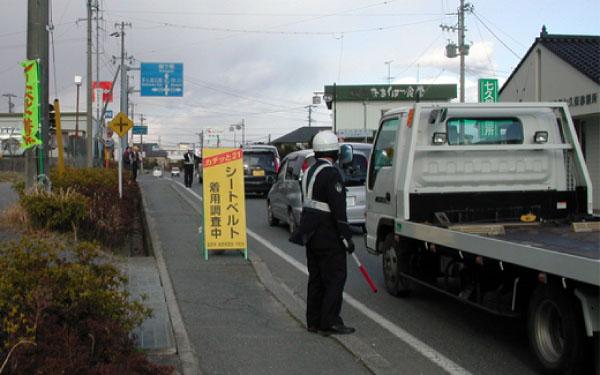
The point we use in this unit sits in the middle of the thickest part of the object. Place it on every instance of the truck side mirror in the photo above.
(346, 154)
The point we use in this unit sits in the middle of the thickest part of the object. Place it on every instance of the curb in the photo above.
(187, 357)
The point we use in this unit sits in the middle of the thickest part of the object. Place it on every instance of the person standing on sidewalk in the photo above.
(189, 160)
(134, 160)
(325, 232)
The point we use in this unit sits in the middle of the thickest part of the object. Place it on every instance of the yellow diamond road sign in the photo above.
(120, 124)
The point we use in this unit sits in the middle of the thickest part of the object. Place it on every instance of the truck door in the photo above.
(381, 199)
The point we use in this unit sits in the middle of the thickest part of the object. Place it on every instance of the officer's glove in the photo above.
(349, 245)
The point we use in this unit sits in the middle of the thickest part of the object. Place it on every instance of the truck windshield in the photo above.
(383, 153)
(484, 131)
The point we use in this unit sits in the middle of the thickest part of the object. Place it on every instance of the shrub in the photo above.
(61, 211)
(110, 218)
(64, 309)
(19, 187)
(14, 217)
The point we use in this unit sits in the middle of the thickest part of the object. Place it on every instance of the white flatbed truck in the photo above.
(492, 204)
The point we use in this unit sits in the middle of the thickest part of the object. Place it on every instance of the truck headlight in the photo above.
(439, 138)
(541, 137)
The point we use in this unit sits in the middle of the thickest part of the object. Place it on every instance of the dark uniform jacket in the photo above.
(189, 159)
(324, 230)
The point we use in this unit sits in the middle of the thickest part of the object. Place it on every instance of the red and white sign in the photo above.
(105, 86)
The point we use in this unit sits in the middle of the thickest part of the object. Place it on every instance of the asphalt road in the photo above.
(423, 333)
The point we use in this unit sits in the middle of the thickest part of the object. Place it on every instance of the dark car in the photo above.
(261, 163)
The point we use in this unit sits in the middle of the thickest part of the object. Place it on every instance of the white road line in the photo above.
(425, 350)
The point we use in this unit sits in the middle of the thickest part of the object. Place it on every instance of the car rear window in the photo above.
(263, 160)
(355, 173)
(484, 131)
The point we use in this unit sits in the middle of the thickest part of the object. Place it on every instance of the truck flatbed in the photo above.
(559, 238)
(553, 249)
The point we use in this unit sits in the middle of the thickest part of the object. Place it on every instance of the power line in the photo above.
(268, 31)
(264, 14)
(503, 32)
(496, 36)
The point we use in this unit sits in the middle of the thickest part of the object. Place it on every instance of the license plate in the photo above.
(258, 172)
(350, 201)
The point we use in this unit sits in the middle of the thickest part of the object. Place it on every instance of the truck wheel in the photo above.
(271, 219)
(555, 330)
(395, 261)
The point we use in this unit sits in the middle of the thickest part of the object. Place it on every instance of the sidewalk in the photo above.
(230, 322)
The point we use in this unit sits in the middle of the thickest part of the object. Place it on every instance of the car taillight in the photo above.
(276, 165)
(305, 165)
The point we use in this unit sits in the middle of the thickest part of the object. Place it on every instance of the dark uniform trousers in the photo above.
(326, 279)
(322, 233)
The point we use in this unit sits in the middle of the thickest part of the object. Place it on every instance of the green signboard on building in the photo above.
(488, 90)
(345, 93)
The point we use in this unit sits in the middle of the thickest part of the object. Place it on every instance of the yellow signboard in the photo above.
(224, 201)
(120, 124)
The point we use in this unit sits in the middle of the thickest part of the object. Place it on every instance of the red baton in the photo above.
(363, 270)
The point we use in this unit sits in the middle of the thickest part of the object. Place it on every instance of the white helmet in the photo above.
(324, 141)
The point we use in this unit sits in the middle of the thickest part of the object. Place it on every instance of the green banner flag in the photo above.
(31, 105)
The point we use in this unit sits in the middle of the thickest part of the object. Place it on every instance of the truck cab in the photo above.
(491, 203)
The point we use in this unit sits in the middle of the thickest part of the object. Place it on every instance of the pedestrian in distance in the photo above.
(126, 157)
(325, 232)
(134, 161)
(189, 160)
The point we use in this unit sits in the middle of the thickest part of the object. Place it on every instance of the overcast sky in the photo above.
(262, 60)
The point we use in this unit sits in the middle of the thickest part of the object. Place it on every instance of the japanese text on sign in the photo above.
(488, 90)
(31, 104)
(224, 204)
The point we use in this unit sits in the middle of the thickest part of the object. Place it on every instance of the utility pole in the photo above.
(11, 106)
(389, 74)
(201, 139)
(142, 119)
(37, 49)
(462, 50)
(89, 158)
(310, 107)
(243, 132)
(98, 97)
(124, 84)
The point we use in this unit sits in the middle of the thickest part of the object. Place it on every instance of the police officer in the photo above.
(324, 230)
(189, 159)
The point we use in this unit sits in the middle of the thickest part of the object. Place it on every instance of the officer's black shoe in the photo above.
(312, 329)
(338, 330)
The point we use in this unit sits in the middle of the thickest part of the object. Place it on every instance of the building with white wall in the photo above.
(359, 107)
(564, 68)
(11, 125)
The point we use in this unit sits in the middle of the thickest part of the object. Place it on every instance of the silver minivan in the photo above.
(284, 201)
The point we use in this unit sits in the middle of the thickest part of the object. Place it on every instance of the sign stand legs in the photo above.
(201, 227)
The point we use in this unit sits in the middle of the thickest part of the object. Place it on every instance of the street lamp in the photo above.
(238, 126)
(78, 80)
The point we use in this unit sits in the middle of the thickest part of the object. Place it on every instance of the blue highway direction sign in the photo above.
(161, 79)
(108, 114)
(140, 130)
